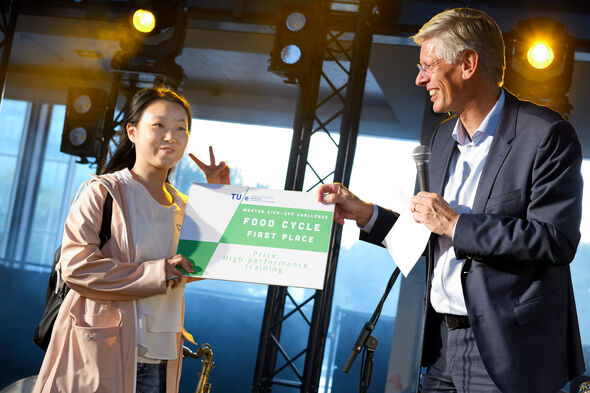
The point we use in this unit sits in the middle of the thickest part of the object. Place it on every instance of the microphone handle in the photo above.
(422, 168)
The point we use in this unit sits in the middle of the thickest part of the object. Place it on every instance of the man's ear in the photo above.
(469, 63)
(131, 130)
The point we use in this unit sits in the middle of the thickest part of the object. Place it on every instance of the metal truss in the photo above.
(329, 103)
(9, 12)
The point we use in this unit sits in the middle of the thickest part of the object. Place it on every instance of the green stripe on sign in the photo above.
(198, 252)
(279, 227)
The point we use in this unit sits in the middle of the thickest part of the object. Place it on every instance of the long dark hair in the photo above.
(124, 155)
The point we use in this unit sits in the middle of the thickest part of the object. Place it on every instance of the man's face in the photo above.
(443, 81)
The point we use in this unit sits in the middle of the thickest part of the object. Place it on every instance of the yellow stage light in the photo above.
(144, 21)
(539, 63)
(540, 55)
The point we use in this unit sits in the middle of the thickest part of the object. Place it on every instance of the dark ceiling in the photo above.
(61, 43)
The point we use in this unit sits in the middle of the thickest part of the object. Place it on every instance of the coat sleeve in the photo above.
(385, 220)
(548, 233)
(86, 270)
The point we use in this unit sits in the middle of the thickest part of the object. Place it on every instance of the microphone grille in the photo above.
(421, 154)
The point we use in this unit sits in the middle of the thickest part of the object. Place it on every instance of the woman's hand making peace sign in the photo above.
(217, 174)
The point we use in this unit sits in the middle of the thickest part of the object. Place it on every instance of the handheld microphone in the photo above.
(421, 156)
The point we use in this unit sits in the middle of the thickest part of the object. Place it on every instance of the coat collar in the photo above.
(505, 133)
(439, 164)
(501, 145)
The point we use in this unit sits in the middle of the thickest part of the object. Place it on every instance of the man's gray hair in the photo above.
(460, 29)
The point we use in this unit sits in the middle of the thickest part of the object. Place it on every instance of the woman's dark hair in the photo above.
(124, 155)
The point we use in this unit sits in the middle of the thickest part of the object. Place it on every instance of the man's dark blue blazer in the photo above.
(517, 244)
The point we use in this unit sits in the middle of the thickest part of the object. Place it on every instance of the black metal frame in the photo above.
(7, 26)
(307, 122)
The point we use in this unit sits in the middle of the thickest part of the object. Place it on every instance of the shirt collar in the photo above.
(487, 127)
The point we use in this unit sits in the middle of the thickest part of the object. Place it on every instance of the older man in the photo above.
(505, 214)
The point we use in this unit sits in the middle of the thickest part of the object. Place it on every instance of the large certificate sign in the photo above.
(256, 235)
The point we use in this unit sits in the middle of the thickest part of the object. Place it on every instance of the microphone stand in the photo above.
(367, 343)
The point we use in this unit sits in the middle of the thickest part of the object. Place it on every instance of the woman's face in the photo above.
(160, 136)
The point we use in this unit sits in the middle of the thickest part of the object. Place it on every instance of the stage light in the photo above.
(85, 112)
(540, 55)
(291, 54)
(154, 38)
(144, 20)
(539, 63)
(295, 21)
(156, 28)
(293, 46)
(82, 104)
(78, 136)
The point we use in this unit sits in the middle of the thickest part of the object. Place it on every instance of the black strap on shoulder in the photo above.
(107, 214)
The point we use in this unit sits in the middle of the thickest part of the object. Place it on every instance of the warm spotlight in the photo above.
(153, 38)
(539, 63)
(144, 21)
(540, 55)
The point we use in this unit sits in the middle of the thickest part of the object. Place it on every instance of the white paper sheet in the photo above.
(256, 235)
(406, 241)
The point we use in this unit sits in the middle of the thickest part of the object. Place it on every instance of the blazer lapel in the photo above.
(505, 132)
(439, 166)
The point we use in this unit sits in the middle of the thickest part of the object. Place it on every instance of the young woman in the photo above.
(120, 327)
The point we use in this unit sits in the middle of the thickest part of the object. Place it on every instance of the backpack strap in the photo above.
(104, 235)
(107, 215)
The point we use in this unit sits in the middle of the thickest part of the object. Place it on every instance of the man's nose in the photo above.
(421, 78)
